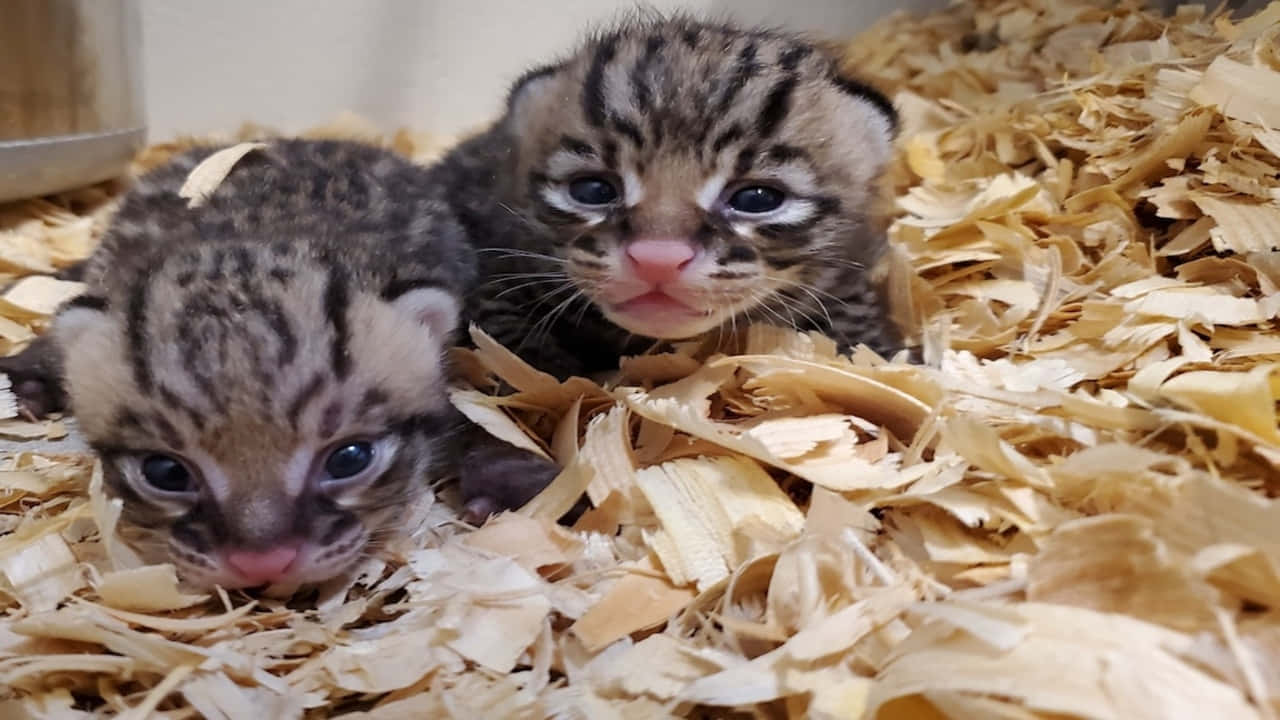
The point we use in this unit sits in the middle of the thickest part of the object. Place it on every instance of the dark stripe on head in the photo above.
(610, 155)
(691, 37)
(786, 153)
(171, 399)
(88, 302)
(138, 338)
(776, 106)
(577, 147)
(640, 89)
(243, 259)
(745, 69)
(336, 299)
(791, 57)
(281, 274)
(304, 397)
(279, 322)
(746, 159)
(593, 100)
(861, 90)
(331, 419)
(732, 134)
(167, 432)
(628, 130)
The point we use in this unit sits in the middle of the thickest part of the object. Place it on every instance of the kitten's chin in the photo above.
(658, 315)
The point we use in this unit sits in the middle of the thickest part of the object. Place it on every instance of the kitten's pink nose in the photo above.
(660, 261)
(262, 566)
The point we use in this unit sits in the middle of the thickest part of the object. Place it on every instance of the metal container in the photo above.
(71, 105)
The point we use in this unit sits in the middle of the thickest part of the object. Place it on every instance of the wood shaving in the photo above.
(1067, 511)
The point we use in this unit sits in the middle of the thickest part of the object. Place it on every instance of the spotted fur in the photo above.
(304, 306)
(679, 113)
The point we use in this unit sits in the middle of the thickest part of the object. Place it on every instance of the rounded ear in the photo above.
(529, 91)
(80, 314)
(435, 308)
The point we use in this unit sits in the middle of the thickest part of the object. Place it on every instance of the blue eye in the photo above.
(349, 460)
(593, 191)
(167, 474)
(757, 199)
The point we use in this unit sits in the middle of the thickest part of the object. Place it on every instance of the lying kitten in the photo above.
(263, 375)
(672, 178)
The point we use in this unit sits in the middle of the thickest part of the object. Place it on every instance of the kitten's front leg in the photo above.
(35, 375)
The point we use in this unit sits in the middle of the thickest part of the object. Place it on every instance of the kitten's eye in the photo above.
(756, 199)
(349, 460)
(165, 473)
(593, 191)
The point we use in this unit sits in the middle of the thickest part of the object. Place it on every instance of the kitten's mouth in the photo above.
(657, 314)
(656, 303)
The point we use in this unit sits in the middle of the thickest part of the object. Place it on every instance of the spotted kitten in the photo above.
(672, 178)
(263, 375)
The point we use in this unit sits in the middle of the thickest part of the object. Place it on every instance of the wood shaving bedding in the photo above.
(1067, 512)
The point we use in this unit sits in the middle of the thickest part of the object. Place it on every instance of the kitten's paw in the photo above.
(497, 476)
(35, 380)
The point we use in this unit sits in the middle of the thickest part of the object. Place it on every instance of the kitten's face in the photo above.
(259, 428)
(689, 175)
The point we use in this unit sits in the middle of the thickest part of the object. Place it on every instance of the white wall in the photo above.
(439, 65)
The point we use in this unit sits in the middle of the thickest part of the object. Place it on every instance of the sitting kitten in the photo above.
(263, 374)
(672, 178)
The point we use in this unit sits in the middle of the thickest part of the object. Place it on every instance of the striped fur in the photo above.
(679, 114)
(305, 305)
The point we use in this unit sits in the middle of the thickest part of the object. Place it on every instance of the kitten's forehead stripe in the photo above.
(336, 300)
(745, 69)
(331, 419)
(731, 135)
(305, 396)
(577, 147)
(593, 92)
(776, 106)
(791, 57)
(171, 399)
(610, 154)
(629, 130)
(137, 337)
(746, 159)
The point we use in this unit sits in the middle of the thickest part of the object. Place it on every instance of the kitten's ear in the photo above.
(530, 91)
(78, 315)
(432, 307)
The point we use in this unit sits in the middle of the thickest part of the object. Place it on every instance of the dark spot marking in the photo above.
(593, 100)
(280, 325)
(577, 147)
(704, 233)
(776, 106)
(628, 129)
(281, 274)
(746, 159)
(740, 253)
(610, 154)
(304, 397)
(373, 397)
(865, 92)
(186, 278)
(588, 243)
(244, 260)
(730, 275)
(791, 57)
(730, 135)
(691, 37)
(827, 205)
(331, 418)
(786, 153)
(335, 309)
(782, 263)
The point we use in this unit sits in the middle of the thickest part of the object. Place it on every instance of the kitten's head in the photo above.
(690, 173)
(263, 418)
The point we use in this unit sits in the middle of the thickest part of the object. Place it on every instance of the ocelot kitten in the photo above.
(263, 375)
(672, 178)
